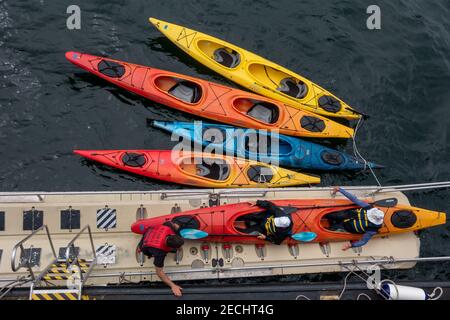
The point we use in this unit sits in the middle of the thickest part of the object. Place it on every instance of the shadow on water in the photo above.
(113, 174)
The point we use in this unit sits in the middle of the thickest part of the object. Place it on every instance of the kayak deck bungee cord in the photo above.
(255, 73)
(199, 169)
(210, 100)
(247, 143)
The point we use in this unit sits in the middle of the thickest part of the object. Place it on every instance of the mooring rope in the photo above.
(358, 154)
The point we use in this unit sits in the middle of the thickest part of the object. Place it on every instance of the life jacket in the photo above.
(156, 238)
(270, 226)
(360, 223)
(272, 229)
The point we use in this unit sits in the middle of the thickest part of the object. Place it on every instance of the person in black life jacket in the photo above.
(366, 220)
(273, 224)
(156, 243)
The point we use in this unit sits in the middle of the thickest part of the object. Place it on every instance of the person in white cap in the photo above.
(273, 225)
(366, 220)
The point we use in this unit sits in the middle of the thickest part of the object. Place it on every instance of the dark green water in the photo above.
(400, 75)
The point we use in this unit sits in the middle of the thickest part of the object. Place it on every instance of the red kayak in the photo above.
(210, 100)
(221, 222)
(199, 169)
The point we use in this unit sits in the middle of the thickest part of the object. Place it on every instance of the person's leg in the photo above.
(250, 229)
(336, 219)
(339, 216)
(337, 227)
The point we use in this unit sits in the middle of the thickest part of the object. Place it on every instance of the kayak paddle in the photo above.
(195, 234)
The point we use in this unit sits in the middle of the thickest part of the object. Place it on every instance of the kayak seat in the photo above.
(226, 58)
(214, 171)
(329, 103)
(264, 112)
(292, 88)
(260, 174)
(187, 91)
(312, 124)
(332, 158)
(134, 159)
(111, 69)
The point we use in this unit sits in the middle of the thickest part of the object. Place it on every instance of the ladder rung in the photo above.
(63, 265)
(61, 276)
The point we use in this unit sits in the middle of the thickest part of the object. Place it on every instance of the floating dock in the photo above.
(38, 229)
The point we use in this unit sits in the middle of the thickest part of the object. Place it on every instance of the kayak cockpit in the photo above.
(251, 223)
(187, 222)
(278, 80)
(327, 223)
(208, 168)
(293, 88)
(258, 143)
(184, 90)
(220, 54)
(259, 110)
(260, 173)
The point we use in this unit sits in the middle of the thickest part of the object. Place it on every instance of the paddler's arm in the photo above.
(270, 208)
(353, 198)
(158, 262)
(365, 238)
(164, 278)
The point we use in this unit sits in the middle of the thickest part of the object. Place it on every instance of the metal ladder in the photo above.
(70, 272)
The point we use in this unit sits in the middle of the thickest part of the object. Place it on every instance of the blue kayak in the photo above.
(246, 143)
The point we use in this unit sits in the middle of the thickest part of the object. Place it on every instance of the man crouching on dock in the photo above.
(157, 242)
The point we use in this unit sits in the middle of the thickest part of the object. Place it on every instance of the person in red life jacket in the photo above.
(156, 243)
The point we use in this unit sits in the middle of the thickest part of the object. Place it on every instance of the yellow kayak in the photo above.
(255, 73)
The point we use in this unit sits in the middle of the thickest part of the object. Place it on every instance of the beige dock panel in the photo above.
(110, 216)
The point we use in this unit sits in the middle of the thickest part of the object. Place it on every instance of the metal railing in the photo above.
(197, 192)
(385, 261)
(74, 257)
(27, 263)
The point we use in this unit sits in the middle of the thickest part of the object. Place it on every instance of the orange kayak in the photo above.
(226, 223)
(199, 169)
(211, 100)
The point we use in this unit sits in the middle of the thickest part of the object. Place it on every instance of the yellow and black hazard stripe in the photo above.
(63, 265)
(65, 270)
(58, 277)
(54, 296)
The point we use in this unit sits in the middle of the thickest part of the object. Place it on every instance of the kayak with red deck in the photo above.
(226, 223)
(211, 100)
(199, 169)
